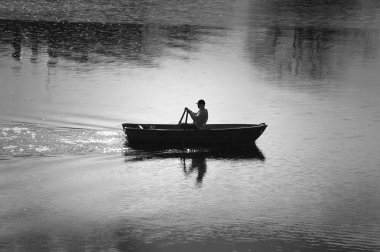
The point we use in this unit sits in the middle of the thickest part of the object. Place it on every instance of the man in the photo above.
(200, 118)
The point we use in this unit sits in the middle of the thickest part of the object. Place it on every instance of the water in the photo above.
(70, 74)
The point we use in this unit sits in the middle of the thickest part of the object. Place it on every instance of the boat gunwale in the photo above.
(246, 126)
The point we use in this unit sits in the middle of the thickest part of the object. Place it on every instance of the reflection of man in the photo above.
(197, 163)
(200, 118)
(200, 164)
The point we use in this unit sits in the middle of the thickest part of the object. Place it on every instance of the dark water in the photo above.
(71, 73)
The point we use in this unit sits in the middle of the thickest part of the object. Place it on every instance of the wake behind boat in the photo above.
(175, 136)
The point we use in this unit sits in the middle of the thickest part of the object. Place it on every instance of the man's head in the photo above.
(201, 103)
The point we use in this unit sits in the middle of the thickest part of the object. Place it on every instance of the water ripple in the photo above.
(31, 140)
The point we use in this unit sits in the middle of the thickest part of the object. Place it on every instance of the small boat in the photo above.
(178, 136)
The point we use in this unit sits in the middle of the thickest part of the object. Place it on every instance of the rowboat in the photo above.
(177, 136)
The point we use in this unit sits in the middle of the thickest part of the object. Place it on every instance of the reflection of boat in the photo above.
(252, 152)
(198, 158)
(173, 136)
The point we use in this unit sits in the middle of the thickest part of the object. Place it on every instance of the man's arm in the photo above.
(192, 114)
(198, 116)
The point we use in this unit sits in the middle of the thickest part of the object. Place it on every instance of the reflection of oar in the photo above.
(182, 116)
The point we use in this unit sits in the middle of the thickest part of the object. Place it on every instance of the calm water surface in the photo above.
(70, 74)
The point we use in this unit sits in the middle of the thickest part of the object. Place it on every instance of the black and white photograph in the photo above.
(189, 125)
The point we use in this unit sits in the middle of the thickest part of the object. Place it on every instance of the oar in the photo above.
(184, 130)
(187, 114)
(182, 116)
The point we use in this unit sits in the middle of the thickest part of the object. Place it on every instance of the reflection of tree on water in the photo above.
(307, 39)
(197, 164)
(311, 52)
(302, 12)
(35, 41)
(97, 42)
(16, 43)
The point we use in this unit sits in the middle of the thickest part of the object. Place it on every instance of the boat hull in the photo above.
(173, 136)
